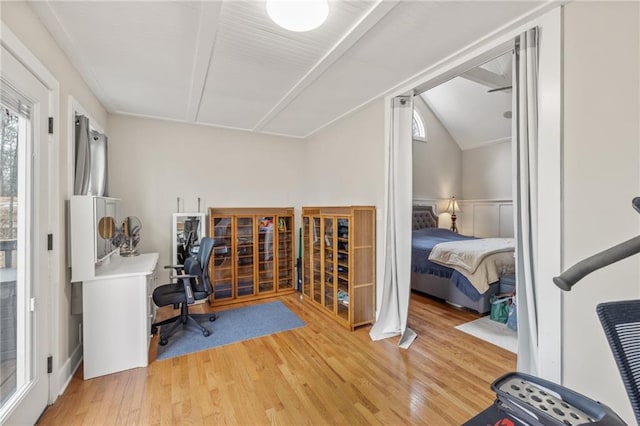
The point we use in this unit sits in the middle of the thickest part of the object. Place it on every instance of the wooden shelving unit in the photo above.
(338, 266)
(253, 253)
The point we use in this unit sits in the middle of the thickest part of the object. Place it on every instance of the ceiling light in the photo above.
(298, 15)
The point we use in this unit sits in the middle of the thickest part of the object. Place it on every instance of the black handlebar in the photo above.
(571, 276)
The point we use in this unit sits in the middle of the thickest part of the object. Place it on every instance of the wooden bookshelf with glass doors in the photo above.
(338, 263)
(253, 255)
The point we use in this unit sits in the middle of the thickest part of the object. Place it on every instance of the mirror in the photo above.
(188, 228)
(106, 227)
(131, 227)
(106, 239)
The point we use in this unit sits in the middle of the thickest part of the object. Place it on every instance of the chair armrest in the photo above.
(179, 277)
(188, 292)
(173, 266)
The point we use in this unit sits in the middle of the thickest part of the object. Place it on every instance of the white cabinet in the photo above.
(118, 313)
(93, 222)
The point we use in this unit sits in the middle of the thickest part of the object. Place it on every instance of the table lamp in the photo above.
(452, 208)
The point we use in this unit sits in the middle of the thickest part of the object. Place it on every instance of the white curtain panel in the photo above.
(525, 131)
(83, 156)
(396, 291)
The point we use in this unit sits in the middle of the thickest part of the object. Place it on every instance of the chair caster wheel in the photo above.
(154, 329)
(164, 341)
(212, 318)
(205, 333)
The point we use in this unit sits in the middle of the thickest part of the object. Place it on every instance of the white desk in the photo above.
(118, 312)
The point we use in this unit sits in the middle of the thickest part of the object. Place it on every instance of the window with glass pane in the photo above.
(11, 124)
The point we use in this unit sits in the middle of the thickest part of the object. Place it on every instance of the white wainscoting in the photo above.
(486, 218)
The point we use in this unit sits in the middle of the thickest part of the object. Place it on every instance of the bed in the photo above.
(454, 284)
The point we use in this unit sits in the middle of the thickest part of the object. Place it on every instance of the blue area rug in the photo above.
(234, 325)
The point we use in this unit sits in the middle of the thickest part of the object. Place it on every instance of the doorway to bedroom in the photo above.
(463, 176)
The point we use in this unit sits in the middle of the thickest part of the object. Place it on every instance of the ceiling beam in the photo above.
(205, 43)
(351, 37)
(486, 78)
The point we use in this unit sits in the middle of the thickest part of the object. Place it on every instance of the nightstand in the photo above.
(507, 283)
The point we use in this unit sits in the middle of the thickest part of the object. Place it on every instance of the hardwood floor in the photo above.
(317, 374)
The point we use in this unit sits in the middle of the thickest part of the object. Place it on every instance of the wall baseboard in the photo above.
(68, 369)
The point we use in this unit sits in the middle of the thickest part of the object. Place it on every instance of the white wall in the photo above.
(486, 172)
(437, 164)
(153, 162)
(22, 21)
(601, 176)
(344, 165)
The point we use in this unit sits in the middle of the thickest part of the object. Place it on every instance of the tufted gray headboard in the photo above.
(424, 217)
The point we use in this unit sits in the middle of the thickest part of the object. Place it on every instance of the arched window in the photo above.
(419, 132)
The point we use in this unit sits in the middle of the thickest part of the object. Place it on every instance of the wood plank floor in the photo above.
(317, 374)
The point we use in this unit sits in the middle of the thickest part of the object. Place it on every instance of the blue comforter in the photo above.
(423, 242)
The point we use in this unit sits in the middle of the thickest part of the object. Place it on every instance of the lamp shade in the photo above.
(453, 206)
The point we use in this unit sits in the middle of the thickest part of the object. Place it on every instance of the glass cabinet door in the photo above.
(285, 252)
(328, 243)
(316, 282)
(266, 258)
(342, 270)
(245, 257)
(316, 286)
(306, 256)
(221, 265)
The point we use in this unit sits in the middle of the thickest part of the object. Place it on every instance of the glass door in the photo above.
(316, 250)
(266, 257)
(221, 264)
(285, 253)
(306, 256)
(245, 279)
(342, 270)
(24, 260)
(329, 264)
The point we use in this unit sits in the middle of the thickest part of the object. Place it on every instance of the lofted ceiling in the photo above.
(225, 63)
(475, 107)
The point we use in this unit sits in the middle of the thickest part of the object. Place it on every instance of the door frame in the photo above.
(549, 17)
(13, 44)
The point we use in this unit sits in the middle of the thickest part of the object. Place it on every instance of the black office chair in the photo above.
(193, 284)
(621, 323)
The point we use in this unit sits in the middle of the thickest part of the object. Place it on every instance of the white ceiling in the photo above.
(469, 107)
(226, 64)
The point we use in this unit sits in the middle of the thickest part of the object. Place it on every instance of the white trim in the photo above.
(487, 143)
(68, 369)
(487, 200)
(550, 241)
(352, 36)
(468, 216)
(549, 17)
(11, 42)
(205, 43)
(198, 123)
(469, 57)
(477, 53)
